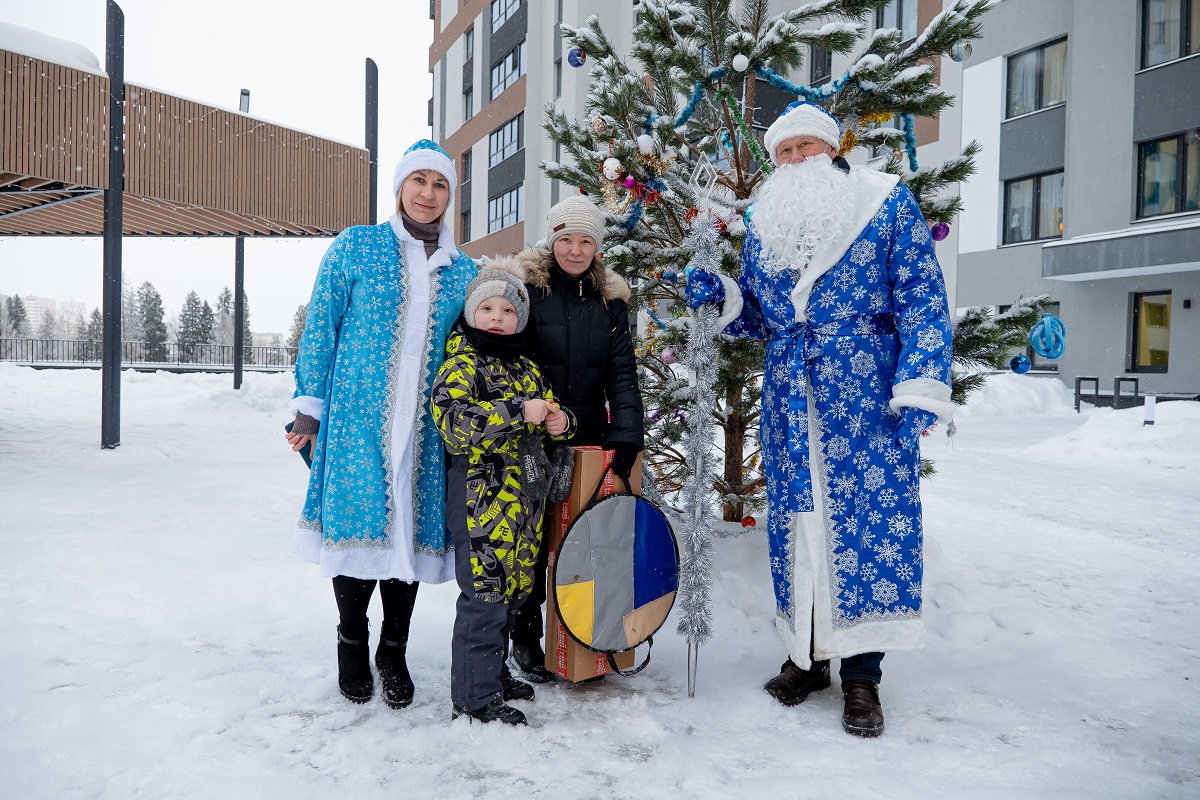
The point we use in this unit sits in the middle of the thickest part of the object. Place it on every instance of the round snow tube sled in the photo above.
(616, 574)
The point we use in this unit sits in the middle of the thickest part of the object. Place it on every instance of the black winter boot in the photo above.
(495, 710)
(530, 660)
(792, 685)
(354, 669)
(513, 688)
(390, 660)
(863, 713)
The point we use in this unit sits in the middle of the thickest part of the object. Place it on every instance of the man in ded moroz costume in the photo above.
(840, 278)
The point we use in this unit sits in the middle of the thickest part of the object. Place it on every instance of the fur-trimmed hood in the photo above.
(536, 262)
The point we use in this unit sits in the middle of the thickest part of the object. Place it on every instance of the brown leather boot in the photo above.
(792, 685)
(863, 715)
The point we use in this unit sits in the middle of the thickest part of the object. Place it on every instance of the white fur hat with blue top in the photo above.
(802, 118)
(425, 154)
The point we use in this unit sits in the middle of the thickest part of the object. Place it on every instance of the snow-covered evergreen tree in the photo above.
(224, 326)
(131, 323)
(247, 334)
(17, 317)
(191, 331)
(154, 328)
(48, 326)
(668, 143)
(297, 331)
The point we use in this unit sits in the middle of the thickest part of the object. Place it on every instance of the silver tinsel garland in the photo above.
(697, 493)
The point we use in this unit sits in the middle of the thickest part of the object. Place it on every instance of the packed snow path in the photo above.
(158, 639)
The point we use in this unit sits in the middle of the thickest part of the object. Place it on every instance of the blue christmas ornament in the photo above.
(669, 277)
(1020, 364)
(576, 57)
(961, 50)
(1048, 337)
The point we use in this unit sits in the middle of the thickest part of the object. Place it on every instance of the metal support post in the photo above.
(1120, 381)
(110, 361)
(1079, 390)
(239, 280)
(372, 136)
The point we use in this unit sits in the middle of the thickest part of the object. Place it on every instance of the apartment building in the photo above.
(1089, 183)
(497, 63)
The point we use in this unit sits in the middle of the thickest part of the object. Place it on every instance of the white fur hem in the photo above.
(871, 189)
(924, 393)
(308, 406)
(366, 563)
(733, 302)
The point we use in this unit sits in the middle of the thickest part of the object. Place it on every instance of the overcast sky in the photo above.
(303, 62)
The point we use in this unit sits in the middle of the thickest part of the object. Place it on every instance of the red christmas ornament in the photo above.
(582, 190)
(748, 521)
(691, 214)
(722, 226)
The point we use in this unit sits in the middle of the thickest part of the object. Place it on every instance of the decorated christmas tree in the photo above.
(668, 143)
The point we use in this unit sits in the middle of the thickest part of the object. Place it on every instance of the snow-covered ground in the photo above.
(158, 639)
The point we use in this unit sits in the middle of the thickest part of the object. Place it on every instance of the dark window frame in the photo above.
(500, 81)
(466, 166)
(1186, 9)
(1040, 102)
(820, 67)
(509, 7)
(517, 193)
(464, 220)
(1134, 341)
(1037, 207)
(469, 44)
(1181, 164)
(509, 146)
(900, 5)
(468, 103)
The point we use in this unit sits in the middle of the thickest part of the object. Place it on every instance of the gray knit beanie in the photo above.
(498, 279)
(574, 215)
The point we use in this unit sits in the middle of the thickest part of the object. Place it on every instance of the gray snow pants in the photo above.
(479, 645)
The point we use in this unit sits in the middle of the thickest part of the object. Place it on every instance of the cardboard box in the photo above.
(566, 657)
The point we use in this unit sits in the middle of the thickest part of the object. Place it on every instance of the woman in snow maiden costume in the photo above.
(385, 298)
(579, 325)
(840, 277)
(491, 404)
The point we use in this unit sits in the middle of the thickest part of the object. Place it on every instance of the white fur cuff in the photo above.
(924, 393)
(733, 302)
(309, 406)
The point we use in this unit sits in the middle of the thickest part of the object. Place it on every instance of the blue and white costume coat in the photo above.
(860, 333)
(374, 339)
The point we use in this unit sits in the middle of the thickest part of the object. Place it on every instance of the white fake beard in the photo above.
(799, 209)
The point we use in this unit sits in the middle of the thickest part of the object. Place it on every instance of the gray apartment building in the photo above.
(1089, 183)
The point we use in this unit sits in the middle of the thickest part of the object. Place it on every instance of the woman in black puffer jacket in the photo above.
(579, 321)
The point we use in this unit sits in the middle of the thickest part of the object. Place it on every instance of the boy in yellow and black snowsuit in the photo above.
(492, 406)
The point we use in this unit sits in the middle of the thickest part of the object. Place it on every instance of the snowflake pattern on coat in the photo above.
(348, 356)
(876, 318)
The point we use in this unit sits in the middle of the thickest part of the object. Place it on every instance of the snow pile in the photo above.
(29, 42)
(1108, 435)
(1006, 394)
(158, 638)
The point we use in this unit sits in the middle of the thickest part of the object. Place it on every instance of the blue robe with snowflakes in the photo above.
(366, 365)
(851, 340)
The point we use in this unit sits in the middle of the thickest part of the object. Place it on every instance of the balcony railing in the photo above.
(172, 354)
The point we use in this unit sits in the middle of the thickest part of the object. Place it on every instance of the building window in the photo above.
(1169, 175)
(506, 209)
(507, 70)
(1033, 208)
(465, 235)
(900, 14)
(468, 104)
(1151, 332)
(1037, 78)
(506, 140)
(820, 68)
(1170, 30)
(502, 10)
(884, 150)
(466, 167)
(469, 44)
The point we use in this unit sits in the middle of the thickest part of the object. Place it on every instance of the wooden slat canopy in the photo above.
(190, 169)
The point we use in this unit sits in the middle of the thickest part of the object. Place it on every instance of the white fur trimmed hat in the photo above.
(802, 118)
(500, 278)
(425, 154)
(574, 215)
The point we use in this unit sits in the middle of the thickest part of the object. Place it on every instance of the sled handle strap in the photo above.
(612, 662)
(600, 483)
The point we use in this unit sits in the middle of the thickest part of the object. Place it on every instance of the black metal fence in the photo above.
(84, 351)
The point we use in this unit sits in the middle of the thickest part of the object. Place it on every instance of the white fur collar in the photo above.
(871, 189)
(414, 248)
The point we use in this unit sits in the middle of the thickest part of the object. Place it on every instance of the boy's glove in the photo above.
(703, 287)
(914, 422)
(535, 467)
